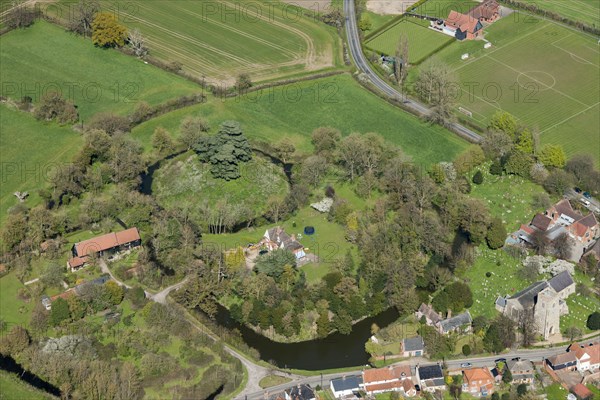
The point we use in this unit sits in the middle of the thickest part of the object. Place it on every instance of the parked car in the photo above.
(577, 190)
(584, 202)
(466, 365)
(587, 195)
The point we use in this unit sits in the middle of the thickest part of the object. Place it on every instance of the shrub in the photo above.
(488, 274)
(593, 321)
(466, 350)
(496, 168)
(478, 178)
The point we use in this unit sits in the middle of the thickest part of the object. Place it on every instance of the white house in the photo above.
(588, 356)
(345, 385)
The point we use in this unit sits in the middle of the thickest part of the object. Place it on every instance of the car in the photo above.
(584, 202)
(577, 190)
(587, 195)
(466, 365)
(516, 359)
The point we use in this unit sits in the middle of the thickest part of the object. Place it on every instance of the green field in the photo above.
(295, 110)
(541, 72)
(422, 42)
(13, 310)
(45, 58)
(441, 8)
(31, 150)
(222, 39)
(586, 11)
(12, 388)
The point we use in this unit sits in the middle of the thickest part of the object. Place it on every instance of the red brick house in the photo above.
(487, 11)
(478, 381)
(464, 26)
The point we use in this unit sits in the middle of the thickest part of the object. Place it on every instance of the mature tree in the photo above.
(496, 144)
(365, 23)
(107, 31)
(573, 333)
(519, 163)
(541, 201)
(162, 141)
(225, 151)
(582, 166)
(137, 42)
(83, 16)
(325, 140)
(192, 131)
(553, 156)
(284, 149)
(342, 321)
(110, 123)
(474, 219)
(313, 169)
(563, 246)
(558, 182)
(272, 264)
(504, 122)
(593, 321)
(52, 275)
(540, 242)
(59, 312)
(323, 324)
(524, 141)
(469, 159)
(507, 376)
(466, 350)
(437, 85)
(126, 161)
(401, 61)
(52, 106)
(500, 334)
(15, 341)
(496, 234)
(19, 15)
(243, 82)
(529, 272)
(521, 389)
(114, 292)
(14, 231)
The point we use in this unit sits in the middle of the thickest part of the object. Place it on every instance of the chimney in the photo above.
(449, 313)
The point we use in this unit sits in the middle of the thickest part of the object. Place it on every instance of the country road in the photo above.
(363, 65)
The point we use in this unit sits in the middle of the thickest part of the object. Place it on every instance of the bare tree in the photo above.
(539, 242)
(401, 62)
(19, 15)
(562, 246)
(527, 327)
(436, 85)
(83, 15)
(138, 43)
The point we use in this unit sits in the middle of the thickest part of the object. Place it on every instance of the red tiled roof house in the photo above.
(478, 381)
(109, 243)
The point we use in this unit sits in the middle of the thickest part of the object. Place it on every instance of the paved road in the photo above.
(533, 355)
(363, 65)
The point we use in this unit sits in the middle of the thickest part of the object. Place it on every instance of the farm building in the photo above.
(464, 26)
(110, 243)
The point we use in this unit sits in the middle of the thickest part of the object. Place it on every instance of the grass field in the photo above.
(45, 58)
(222, 39)
(13, 310)
(586, 11)
(31, 150)
(422, 41)
(543, 73)
(12, 388)
(295, 110)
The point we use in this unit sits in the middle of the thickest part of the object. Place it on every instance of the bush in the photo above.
(496, 168)
(478, 178)
(593, 321)
(488, 274)
(522, 389)
(466, 350)
(496, 234)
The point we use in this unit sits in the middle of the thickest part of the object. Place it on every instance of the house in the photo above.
(277, 238)
(567, 361)
(464, 26)
(413, 347)
(107, 244)
(300, 392)
(393, 378)
(561, 219)
(46, 302)
(431, 378)
(544, 299)
(487, 11)
(478, 381)
(522, 371)
(582, 392)
(432, 318)
(345, 386)
(588, 357)
(459, 323)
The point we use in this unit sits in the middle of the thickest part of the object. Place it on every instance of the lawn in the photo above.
(378, 20)
(219, 40)
(556, 392)
(12, 388)
(273, 380)
(12, 309)
(294, 111)
(422, 41)
(45, 58)
(541, 72)
(508, 197)
(586, 11)
(31, 151)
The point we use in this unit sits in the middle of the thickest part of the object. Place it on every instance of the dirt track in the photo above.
(385, 7)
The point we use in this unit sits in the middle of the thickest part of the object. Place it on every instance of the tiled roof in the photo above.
(564, 207)
(563, 358)
(105, 242)
(460, 21)
(561, 281)
(527, 296)
(519, 365)
(346, 383)
(478, 374)
(386, 373)
(413, 344)
(456, 321)
(541, 222)
(581, 391)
